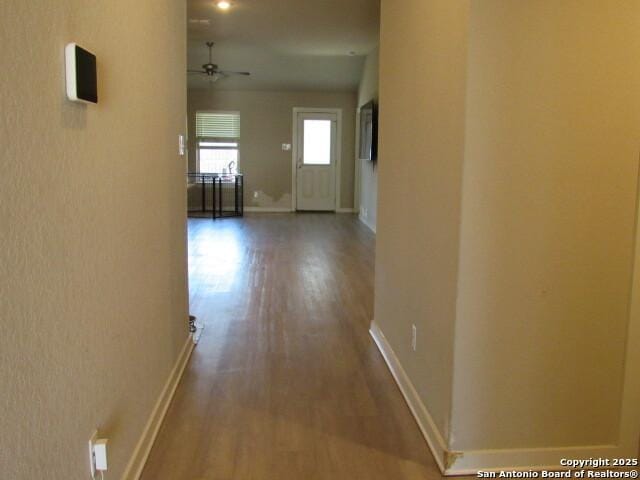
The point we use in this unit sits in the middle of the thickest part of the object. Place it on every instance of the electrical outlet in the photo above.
(100, 454)
(256, 194)
(97, 454)
(414, 337)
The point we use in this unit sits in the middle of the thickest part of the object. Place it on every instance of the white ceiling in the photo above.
(285, 44)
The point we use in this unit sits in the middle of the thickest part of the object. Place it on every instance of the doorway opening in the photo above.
(316, 160)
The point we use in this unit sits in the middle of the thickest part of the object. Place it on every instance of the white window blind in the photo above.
(218, 125)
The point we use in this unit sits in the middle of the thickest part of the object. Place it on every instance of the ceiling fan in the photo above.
(212, 71)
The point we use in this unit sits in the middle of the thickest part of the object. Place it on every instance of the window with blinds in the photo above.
(218, 125)
(218, 136)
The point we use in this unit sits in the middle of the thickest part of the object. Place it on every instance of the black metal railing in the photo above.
(215, 194)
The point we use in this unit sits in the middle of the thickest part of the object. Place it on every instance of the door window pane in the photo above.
(317, 142)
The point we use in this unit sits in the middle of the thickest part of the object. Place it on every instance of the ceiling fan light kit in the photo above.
(212, 71)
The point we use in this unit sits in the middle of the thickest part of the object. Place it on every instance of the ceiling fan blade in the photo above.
(197, 71)
(228, 72)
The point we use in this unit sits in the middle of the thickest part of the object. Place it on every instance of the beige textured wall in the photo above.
(93, 297)
(266, 123)
(550, 185)
(368, 171)
(507, 207)
(422, 112)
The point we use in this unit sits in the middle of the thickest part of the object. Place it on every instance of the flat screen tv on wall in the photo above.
(369, 131)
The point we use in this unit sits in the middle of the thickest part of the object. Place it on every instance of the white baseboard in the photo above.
(371, 226)
(151, 429)
(534, 459)
(287, 210)
(425, 422)
(267, 210)
(471, 461)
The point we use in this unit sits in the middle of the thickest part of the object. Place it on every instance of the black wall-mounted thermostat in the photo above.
(82, 76)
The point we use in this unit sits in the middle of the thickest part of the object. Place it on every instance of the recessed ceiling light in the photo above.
(224, 5)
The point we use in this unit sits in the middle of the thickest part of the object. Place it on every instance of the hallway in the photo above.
(286, 382)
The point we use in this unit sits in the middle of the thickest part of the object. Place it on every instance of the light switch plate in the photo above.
(286, 147)
(414, 337)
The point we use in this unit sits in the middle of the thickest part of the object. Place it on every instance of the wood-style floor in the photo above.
(286, 382)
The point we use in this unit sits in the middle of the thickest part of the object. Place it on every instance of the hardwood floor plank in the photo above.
(286, 382)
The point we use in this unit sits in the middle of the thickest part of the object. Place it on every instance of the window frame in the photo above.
(218, 140)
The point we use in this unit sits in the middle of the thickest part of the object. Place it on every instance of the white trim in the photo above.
(470, 462)
(221, 111)
(143, 448)
(630, 414)
(287, 210)
(423, 418)
(294, 163)
(338, 158)
(357, 166)
(535, 459)
(294, 153)
(267, 210)
(370, 225)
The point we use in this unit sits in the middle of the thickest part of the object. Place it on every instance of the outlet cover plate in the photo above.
(92, 459)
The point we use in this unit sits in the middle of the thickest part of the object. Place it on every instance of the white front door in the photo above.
(316, 163)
